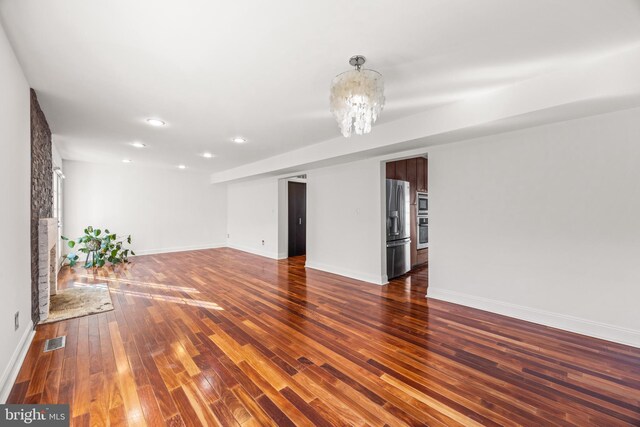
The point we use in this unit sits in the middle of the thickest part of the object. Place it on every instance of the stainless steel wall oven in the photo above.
(423, 232)
(423, 204)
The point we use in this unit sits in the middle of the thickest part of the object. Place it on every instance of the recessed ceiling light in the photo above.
(127, 161)
(182, 167)
(138, 144)
(156, 122)
(239, 140)
(207, 155)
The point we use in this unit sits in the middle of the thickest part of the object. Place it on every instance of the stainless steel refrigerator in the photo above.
(398, 228)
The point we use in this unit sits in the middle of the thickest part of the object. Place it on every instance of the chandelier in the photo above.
(357, 98)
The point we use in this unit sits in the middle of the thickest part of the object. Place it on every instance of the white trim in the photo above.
(547, 318)
(15, 363)
(376, 280)
(264, 253)
(179, 249)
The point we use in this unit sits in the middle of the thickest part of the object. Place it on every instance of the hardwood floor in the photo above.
(221, 337)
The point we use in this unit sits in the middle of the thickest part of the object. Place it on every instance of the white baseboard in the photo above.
(15, 363)
(547, 318)
(251, 250)
(376, 280)
(179, 249)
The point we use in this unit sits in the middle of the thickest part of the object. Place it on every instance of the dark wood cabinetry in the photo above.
(412, 177)
(401, 170)
(415, 171)
(421, 172)
(414, 237)
(391, 170)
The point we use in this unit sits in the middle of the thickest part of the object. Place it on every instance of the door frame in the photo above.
(283, 211)
(302, 191)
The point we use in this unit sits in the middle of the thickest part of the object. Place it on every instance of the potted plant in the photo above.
(100, 248)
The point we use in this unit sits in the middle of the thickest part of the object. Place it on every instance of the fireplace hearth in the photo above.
(47, 264)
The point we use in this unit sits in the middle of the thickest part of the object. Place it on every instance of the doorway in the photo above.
(297, 214)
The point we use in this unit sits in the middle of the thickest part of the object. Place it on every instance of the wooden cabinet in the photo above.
(415, 171)
(401, 170)
(426, 175)
(422, 256)
(421, 172)
(412, 177)
(391, 170)
(414, 237)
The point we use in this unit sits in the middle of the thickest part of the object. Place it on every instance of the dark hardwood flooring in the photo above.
(221, 337)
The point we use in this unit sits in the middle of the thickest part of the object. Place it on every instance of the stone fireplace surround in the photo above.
(41, 192)
(47, 264)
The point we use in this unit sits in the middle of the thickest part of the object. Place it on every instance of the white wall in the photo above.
(344, 220)
(15, 214)
(163, 210)
(283, 218)
(542, 224)
(253, 216)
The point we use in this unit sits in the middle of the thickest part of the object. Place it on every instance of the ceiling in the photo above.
(215, 70)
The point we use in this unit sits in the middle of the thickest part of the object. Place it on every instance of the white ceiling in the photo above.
(214, 70)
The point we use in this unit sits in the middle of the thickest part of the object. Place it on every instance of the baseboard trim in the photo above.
(565, 322)
(179, 249)
(248, 249)
(376, 280)
(15, 363)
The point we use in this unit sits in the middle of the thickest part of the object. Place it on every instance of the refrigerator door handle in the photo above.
(400, 209)
(404, 225)
(402, 202)
(395, 243)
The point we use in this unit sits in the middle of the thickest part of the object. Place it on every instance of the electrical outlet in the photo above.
(263, 243)
(16, 320)
(228, 235)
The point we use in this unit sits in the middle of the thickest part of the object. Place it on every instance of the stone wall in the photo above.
(41, 190)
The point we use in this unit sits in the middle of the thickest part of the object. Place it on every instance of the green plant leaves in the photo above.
(100, 248)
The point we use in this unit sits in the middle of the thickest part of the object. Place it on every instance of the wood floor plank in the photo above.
(222, 337)
(125, 377)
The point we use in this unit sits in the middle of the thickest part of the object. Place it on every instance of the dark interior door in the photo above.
(297, 218)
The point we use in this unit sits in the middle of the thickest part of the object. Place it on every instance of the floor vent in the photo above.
(55, 343)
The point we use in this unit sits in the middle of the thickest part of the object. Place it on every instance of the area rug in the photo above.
(78, 302)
